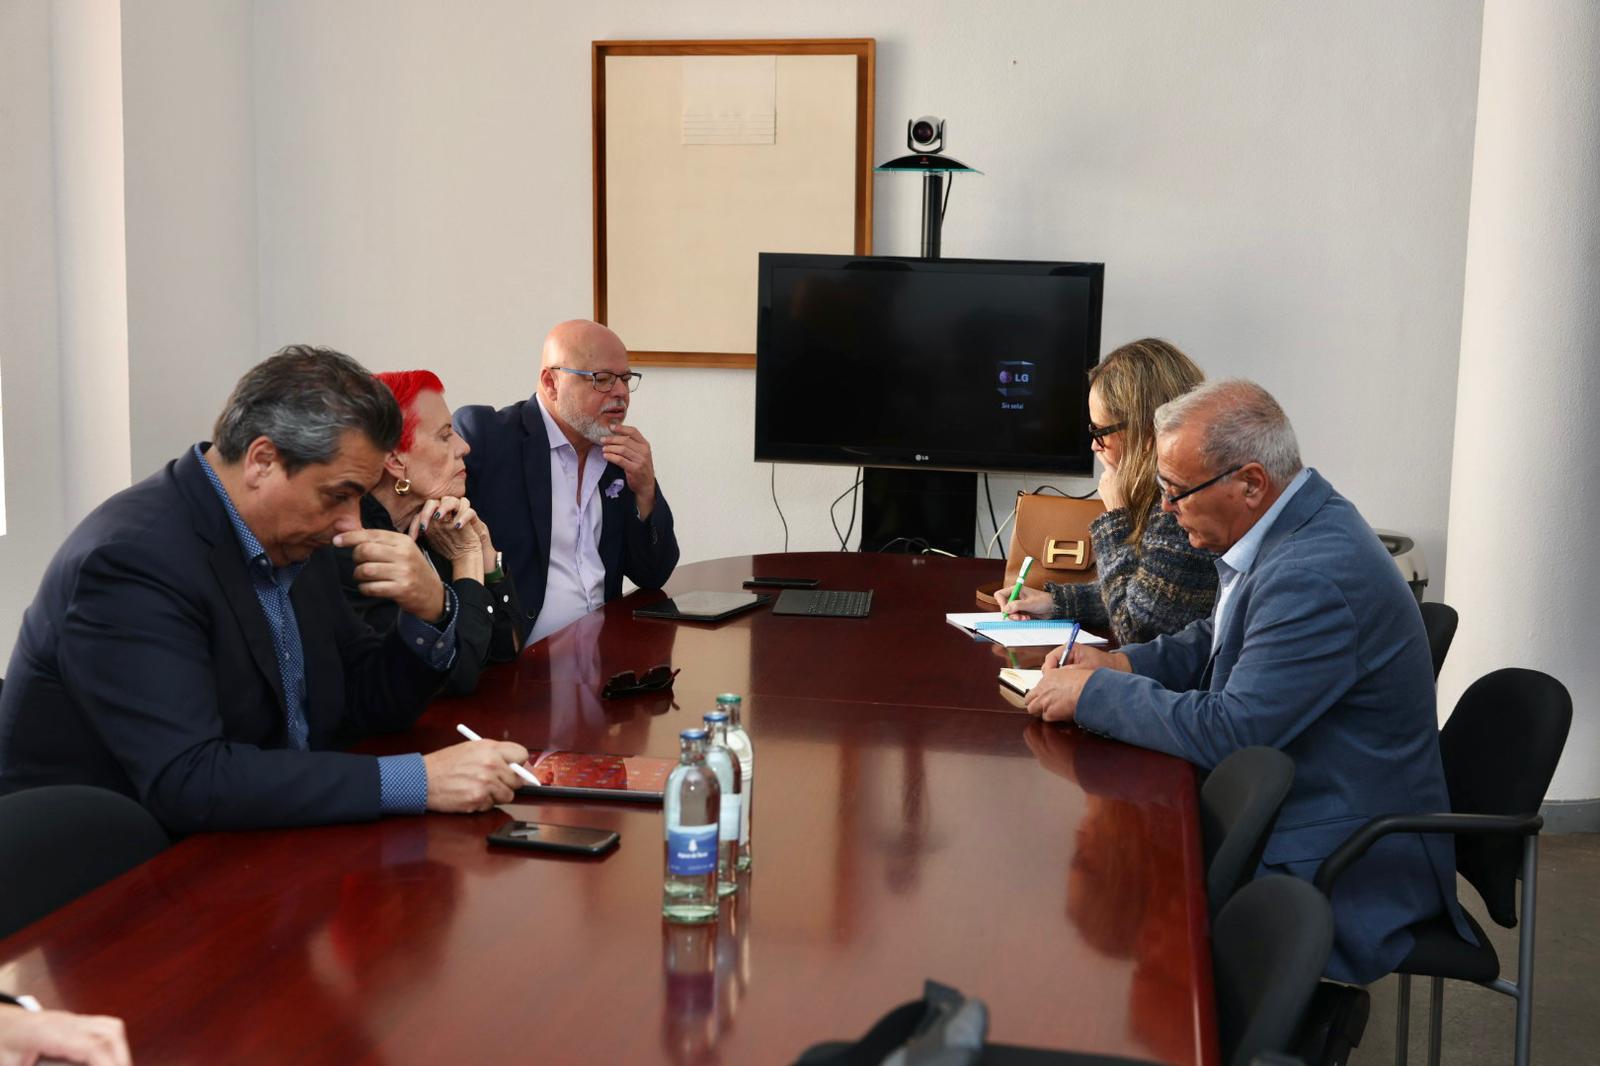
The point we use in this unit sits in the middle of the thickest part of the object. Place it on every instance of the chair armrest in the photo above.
(1471, 824)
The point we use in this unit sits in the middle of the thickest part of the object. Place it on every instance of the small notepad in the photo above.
(1020, 681)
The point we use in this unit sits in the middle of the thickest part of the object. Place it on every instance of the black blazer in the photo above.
(489, 627)
(508, 481)
(146, 665)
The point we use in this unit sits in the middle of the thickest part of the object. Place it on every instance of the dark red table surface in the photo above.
(909, 823)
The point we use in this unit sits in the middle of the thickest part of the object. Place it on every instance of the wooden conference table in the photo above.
(908, 823)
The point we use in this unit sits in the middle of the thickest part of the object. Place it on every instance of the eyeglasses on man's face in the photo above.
(1098, 434)
(603, 380)
(1171, 498)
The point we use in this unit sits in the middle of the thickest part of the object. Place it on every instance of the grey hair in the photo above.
(1244, 424)
(304, 400)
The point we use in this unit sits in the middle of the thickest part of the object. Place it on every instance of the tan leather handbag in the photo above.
(1055, 531)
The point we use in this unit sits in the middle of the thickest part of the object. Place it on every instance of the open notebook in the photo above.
(1038, 633)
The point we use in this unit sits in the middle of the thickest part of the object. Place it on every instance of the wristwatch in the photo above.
(497, 573)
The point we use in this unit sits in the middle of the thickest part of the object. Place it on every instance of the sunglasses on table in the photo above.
(655, 679)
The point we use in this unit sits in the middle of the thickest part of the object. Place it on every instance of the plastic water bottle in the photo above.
(739, 744)
(692, 808)
(725, 765)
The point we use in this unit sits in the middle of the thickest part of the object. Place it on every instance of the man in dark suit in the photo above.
(190, 646)
(567, 485)
(1315, 647)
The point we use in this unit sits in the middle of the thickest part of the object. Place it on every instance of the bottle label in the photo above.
(730, 817)
(692, 850)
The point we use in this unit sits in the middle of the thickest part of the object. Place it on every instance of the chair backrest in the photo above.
(1239, 805)
(1500, 749)
(1439, 619)
(60, 841)
(1269, 945)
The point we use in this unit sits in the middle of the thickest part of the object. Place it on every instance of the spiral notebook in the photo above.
(1036, 633)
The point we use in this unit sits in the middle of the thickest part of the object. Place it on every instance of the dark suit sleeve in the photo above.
(140, 666)
(486, 630)
(505, 643)
(1297, 659)
(652, 546)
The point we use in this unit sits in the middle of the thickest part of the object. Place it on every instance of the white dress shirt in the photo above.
(575, 581)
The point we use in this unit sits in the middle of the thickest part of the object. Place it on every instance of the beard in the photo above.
(593, 429)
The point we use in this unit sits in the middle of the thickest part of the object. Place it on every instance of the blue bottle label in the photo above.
(692, 850)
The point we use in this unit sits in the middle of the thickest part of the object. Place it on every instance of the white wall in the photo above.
(1524, 461)
(1280, 189)
(91, 269)
(191, 203)
(30, 346)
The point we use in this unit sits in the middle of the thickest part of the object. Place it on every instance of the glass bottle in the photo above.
(721, 760)
(739, 744)
(692, 808)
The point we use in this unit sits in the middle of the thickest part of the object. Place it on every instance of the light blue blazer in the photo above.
(1323, 655)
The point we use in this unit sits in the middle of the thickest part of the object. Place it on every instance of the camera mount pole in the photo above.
(932, 213)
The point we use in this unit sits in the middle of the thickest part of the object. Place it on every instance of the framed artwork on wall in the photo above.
(707, 153)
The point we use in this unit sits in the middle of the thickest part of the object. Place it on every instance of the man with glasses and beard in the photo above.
(567, 485)
(1315, 647)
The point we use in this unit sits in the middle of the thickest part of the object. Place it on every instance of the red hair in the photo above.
(406, 385)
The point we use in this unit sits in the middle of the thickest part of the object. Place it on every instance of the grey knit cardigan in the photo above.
(1158, 586)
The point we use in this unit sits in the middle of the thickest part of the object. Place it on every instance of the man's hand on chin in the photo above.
(1055, 697)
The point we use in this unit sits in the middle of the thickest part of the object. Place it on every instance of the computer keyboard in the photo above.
(824, 603)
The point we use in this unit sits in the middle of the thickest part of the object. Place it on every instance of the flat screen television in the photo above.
(941, 364)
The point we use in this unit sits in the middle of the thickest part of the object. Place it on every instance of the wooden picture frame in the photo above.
(675, 223)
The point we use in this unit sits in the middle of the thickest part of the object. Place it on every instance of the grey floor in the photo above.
(1478, 1023)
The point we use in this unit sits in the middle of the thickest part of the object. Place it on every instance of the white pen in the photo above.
(521, 771)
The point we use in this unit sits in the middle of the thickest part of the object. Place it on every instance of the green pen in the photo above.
(1016, 590)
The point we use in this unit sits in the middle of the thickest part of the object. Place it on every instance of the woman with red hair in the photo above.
(422, 494)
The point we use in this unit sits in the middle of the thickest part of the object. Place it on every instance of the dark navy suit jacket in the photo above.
(508, 481)
(146, 665)
(1324, 656)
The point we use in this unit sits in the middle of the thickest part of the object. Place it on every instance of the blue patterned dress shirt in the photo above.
(402, 779)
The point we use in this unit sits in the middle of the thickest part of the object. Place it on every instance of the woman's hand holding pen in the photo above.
(1030, 603)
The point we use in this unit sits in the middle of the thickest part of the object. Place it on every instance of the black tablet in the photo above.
(702, 606)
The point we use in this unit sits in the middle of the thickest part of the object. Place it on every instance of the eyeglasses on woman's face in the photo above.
(1098, 434)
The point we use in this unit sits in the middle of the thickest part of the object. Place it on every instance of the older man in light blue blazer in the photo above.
(1315, 647)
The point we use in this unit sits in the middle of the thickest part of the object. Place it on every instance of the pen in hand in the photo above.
(1016, 590)
(1072, 638)
(520, 770)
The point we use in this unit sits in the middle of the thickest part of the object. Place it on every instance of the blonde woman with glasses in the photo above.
(1149, 579)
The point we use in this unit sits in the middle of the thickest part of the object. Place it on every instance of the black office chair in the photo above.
(1239, 805)
(60, 841)
(1440, 620)
(1500, 750)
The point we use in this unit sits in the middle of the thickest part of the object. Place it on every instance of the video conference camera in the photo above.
(925, 135)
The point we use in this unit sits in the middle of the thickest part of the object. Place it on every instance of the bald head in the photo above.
(572, 352)
(584, 345)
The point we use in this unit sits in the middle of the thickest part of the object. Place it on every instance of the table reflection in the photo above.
(706, 971)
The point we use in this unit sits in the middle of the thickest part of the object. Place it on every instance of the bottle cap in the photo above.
(716, 717)
(730, 697)
(692, 734)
